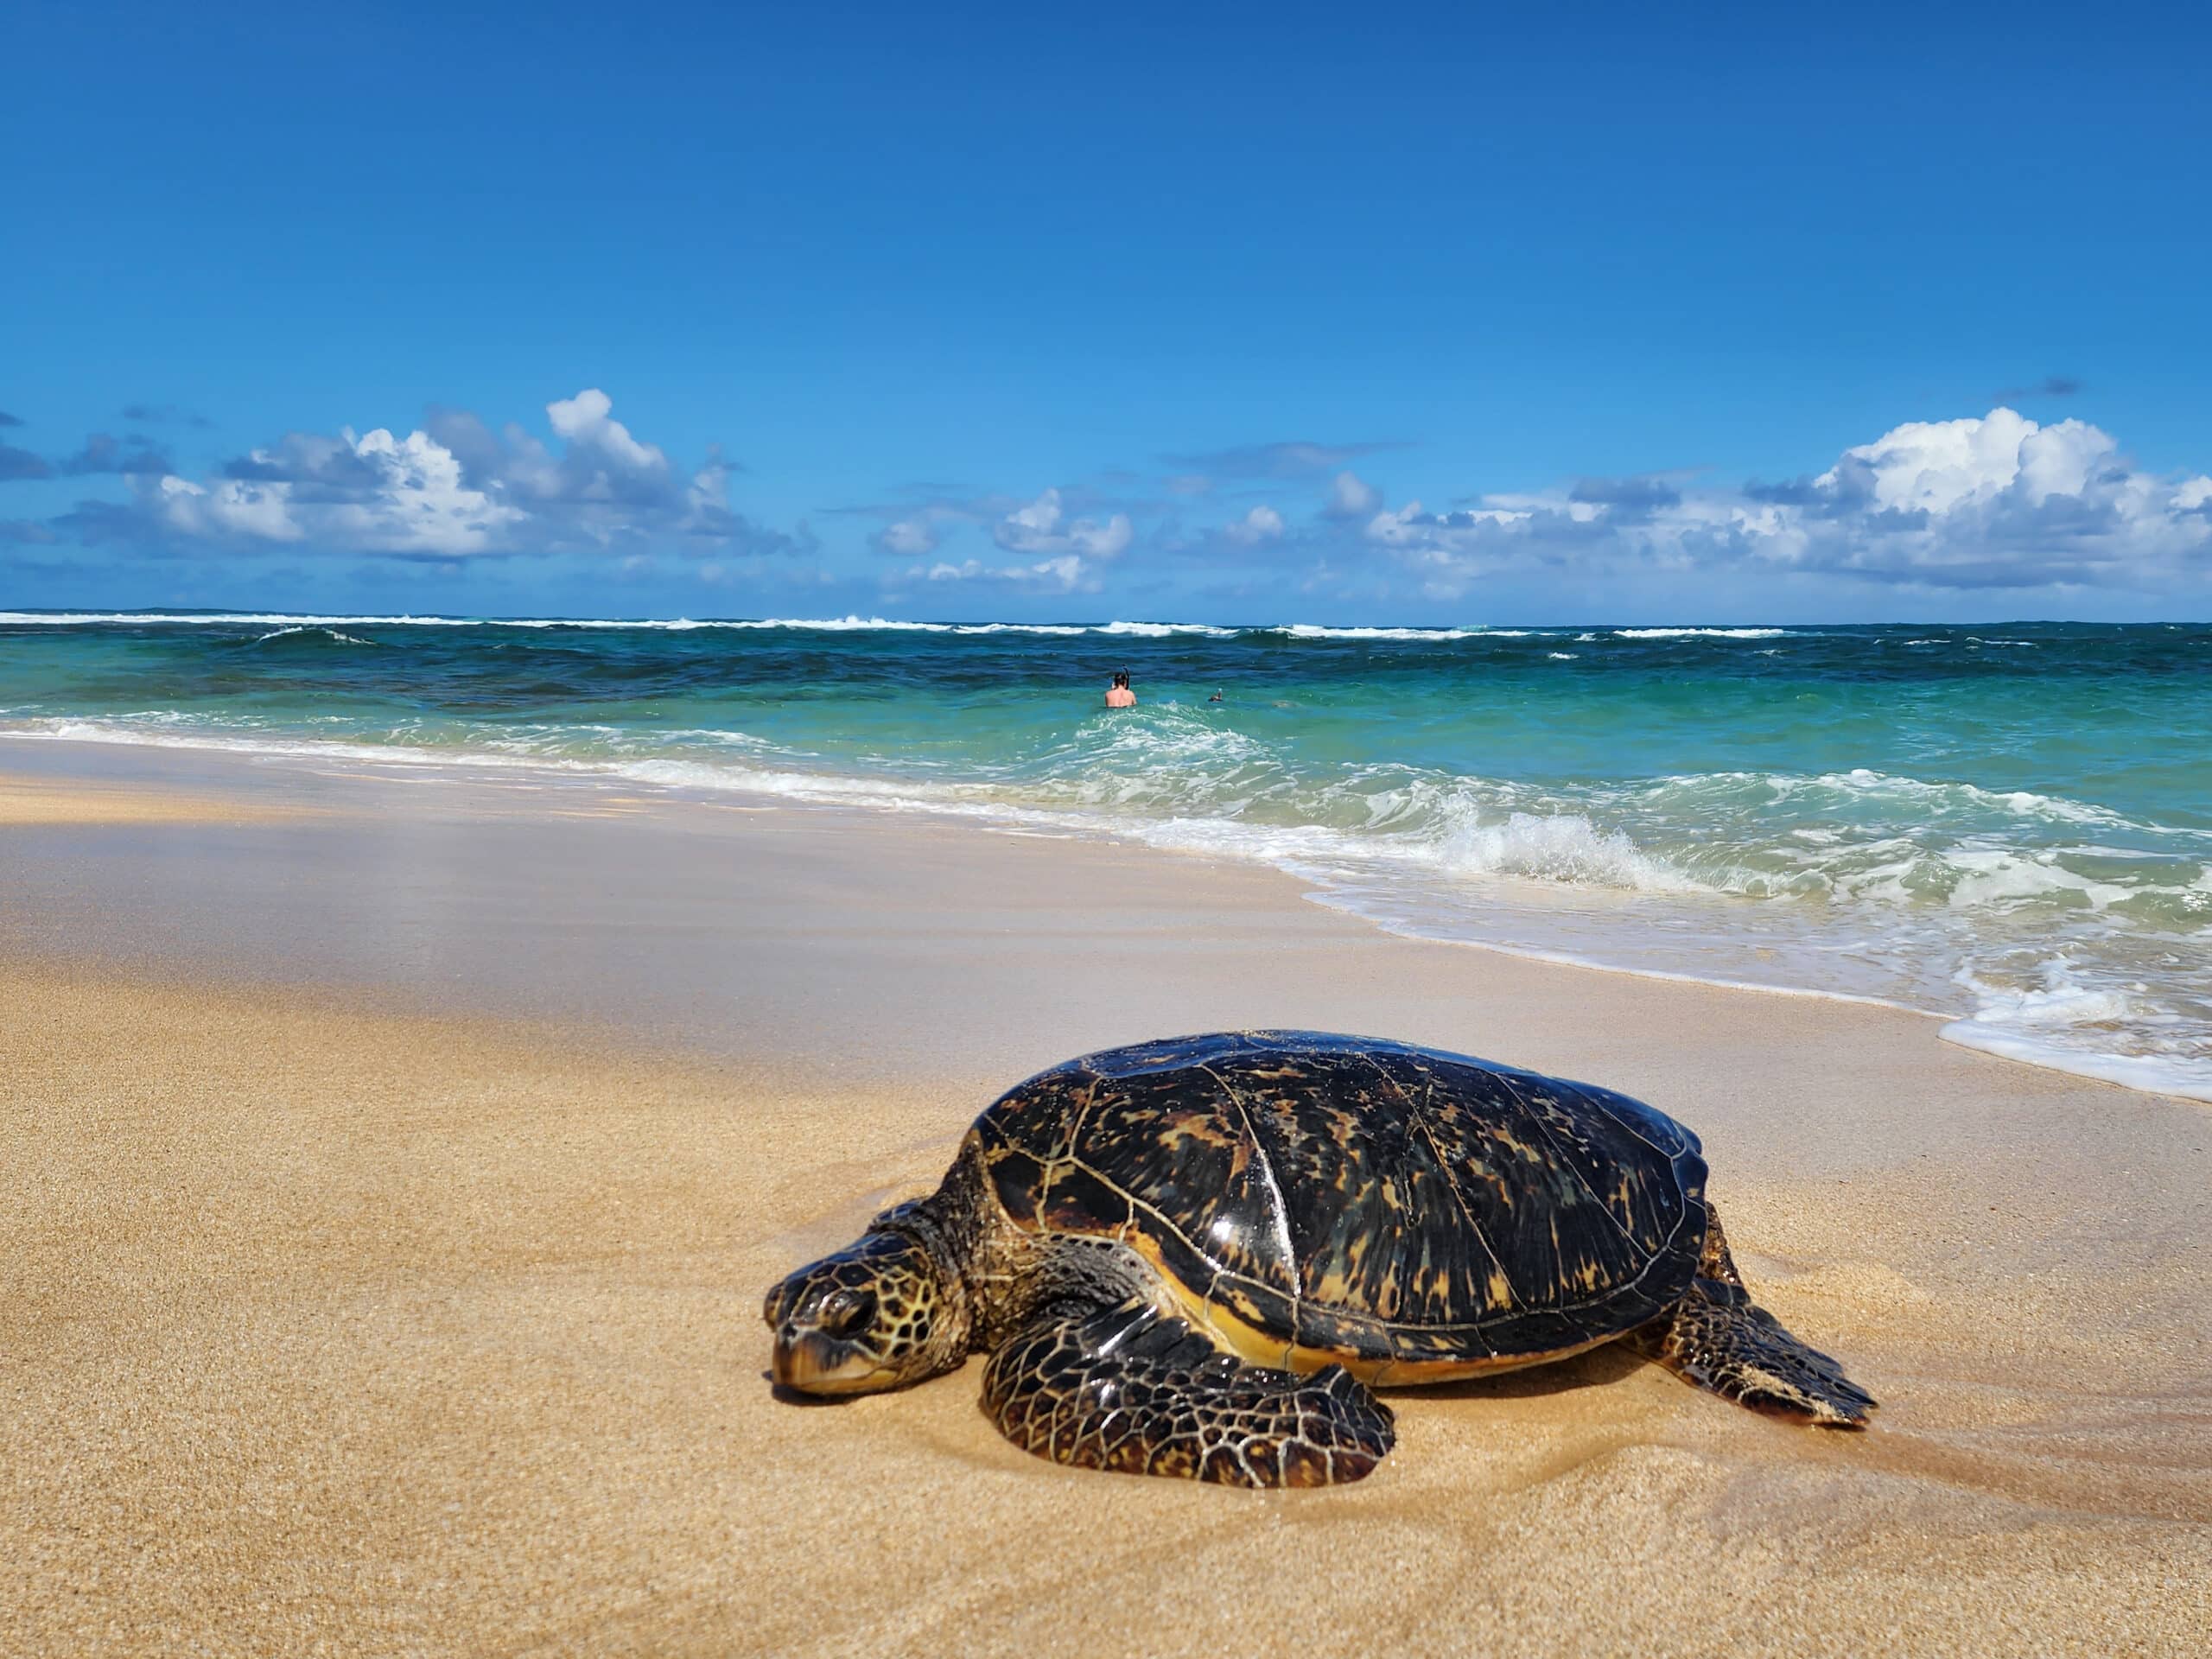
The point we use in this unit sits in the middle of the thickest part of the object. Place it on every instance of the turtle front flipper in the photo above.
(1127, 1389)
(1719, 1340)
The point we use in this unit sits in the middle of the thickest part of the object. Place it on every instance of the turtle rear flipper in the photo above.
(1718, 1338)
(1129, 1390)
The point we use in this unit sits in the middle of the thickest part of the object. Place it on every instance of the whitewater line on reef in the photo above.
(667, 625)
(1975, 1030)
(1703, 633)
(854, 624)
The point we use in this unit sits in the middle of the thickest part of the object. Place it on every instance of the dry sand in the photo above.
(340, 1324)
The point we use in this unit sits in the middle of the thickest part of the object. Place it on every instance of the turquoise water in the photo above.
(2008, 826)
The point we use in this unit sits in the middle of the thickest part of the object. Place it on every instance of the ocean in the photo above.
(2006, 826)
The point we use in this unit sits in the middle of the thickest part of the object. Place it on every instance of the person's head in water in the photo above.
(1118, 695)
(1121, 679)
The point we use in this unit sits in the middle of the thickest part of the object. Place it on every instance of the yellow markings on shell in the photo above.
(1501, 1294)
(1385, 1299)
(1254, 1346)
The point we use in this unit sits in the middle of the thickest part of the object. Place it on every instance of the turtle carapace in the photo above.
(1198, 1256)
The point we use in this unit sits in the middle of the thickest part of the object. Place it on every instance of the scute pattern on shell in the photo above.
(1360, 1197)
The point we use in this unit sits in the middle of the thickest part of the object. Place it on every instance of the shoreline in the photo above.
(393, 1184)
(838, 793)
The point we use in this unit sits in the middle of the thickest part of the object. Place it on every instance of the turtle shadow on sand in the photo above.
(1614, 1363)
(1197, 1257)
(784, 1395)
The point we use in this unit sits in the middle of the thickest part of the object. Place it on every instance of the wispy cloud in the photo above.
(1291, 459)
(164, 415)
(1064, 535)
(103, 454)
(1640, 494)
(16, 464)
(2051, 385)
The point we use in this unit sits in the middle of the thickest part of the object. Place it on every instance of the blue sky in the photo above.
(1268, 313)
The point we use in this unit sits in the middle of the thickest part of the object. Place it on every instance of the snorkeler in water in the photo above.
(1118, 695)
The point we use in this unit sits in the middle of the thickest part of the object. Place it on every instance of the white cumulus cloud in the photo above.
(1064, 574)
(1038, 528)
(1262, 524)
(1351, 496)
(1993, 501)
(451, 489)
(908, 538)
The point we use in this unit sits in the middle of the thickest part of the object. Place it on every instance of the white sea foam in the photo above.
(659, 625)
(1558, 847)
(851, 624)
(1999, 877)
(1020, 627)
(2045, 1024)
(1165, 630)
(1315, 631)
(320, 632)
(1704, 633)
(262, 618)
(1924, 796)
(1562, 656)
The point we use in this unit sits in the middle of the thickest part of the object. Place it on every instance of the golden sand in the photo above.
(338, 1332)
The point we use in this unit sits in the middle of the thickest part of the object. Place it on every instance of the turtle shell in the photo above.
(1314, 1199)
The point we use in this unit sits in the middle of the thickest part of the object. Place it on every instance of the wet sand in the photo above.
(36, 800)
(393, 1168)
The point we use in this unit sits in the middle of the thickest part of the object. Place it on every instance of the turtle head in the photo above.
(881, 1314)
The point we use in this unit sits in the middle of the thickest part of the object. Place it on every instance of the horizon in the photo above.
(243, 614)
(1745, 318)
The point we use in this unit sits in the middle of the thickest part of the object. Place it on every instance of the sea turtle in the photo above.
(1195, 1256)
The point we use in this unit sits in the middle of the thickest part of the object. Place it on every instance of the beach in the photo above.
(395, 1160)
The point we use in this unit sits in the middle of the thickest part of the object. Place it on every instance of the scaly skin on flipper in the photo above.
(1129, 1391)
(1718, 1339)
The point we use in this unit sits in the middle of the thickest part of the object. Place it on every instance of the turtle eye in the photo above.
(844, 1312)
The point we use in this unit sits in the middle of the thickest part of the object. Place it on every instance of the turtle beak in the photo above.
(813, 1363)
